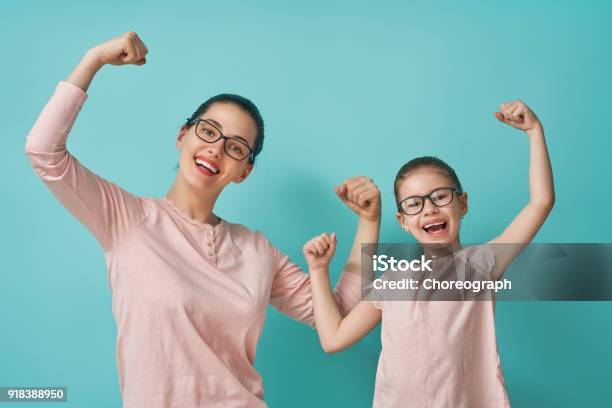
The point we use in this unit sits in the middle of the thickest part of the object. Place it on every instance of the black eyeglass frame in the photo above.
(428, 196)
(197, 121)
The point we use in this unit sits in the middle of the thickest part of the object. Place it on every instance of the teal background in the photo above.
(346, 88)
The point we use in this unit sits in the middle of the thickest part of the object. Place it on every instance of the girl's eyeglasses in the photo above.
(439, 197)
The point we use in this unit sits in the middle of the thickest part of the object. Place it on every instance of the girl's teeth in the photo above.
(441, 224)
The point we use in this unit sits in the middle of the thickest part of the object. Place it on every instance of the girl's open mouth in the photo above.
(435, 228)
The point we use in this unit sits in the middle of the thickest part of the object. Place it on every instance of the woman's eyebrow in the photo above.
(220, 126)
(217, 124)
(241, 138)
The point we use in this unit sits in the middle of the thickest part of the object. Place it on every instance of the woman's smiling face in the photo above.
(207, 166)
(433, 224)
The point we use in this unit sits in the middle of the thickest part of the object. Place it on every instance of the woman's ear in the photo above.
(245, 173)
(180, 137)
(463, 203)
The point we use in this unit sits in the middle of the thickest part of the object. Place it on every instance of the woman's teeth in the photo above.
(207, 165)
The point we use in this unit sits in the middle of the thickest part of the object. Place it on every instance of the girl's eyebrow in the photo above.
(437, 188)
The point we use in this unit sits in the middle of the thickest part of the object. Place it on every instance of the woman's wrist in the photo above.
(85, 71)
(92, 60)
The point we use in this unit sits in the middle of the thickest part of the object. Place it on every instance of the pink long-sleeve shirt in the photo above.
(189, 299)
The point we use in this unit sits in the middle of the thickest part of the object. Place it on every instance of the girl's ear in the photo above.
(463, 203)
(402, 222)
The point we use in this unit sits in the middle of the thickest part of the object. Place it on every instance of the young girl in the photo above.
(437, 353)
(189, 289)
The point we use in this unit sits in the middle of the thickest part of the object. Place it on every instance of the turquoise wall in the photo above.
(346, 88)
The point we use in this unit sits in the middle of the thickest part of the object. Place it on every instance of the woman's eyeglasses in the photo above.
(235, 148)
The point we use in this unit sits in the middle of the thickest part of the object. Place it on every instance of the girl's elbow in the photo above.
(549, 203)
(331, 350)
(552, 200)
(545, 203)
(331, 347)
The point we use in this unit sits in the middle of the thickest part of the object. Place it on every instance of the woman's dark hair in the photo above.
(426, 161)
(242, 103)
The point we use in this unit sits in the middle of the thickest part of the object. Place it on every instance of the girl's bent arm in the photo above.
(291, 291)
(335, 332)
(541, 187)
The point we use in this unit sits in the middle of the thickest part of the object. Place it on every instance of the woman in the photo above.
(189, 289)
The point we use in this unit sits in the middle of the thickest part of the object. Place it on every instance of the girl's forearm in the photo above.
(541, 186)
(326, 312)
(85, 71)
(367, 232)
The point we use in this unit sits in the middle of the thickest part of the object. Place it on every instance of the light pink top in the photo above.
(189, 299)
(441, 354)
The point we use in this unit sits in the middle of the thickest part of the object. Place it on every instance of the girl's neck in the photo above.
(433, 251)
(196, 205)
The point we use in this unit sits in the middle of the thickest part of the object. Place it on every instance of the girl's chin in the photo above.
(437, 242)
(441, 239)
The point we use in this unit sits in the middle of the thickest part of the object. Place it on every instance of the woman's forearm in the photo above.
(85, 71)
(125, 49)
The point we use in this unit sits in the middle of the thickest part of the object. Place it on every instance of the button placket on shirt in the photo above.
(209, 246)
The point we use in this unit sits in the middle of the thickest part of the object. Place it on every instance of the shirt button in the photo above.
(210, 253)
(209, 243)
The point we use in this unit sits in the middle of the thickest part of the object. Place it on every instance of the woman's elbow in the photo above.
(28, 148)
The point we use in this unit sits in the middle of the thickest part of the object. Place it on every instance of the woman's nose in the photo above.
(216, 148)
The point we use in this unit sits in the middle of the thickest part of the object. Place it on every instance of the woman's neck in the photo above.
(196, 205)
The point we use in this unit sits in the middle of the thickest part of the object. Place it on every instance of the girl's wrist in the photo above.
(536, 130)
(375, 219)
(319, 271)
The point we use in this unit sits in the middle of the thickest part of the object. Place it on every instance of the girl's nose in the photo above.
(429, 207)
